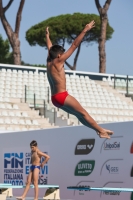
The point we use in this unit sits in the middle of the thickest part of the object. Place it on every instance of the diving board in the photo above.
(31, 186)
(13, 186)
(47, 186)
(52, 191)
(100, 189)
(5, 184)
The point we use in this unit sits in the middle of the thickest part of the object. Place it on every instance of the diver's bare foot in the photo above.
(20, 198)
(104, 133)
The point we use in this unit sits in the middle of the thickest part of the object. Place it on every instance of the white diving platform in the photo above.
(23, 186)
(6, 191)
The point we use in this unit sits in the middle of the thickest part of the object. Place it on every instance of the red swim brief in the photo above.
(59, 98)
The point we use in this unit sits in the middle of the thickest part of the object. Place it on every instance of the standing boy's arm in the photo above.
(76, 42)
(47, 157)
(48, 41)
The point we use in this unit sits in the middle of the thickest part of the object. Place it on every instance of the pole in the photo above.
(25, 93)
(44, 110)
(114, 81)
(34, 101)
(48, 94)
(127, 85)
(54, 116)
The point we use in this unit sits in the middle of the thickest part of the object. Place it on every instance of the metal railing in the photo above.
(42, 104)
(45, 108)
(124, 85)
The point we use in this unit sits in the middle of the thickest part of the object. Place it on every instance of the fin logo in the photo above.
(13, 160)
(108, 168)
(84, 146)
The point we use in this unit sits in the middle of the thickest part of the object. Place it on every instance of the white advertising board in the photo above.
(78, 157)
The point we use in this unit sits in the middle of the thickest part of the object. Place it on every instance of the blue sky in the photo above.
(119, 49)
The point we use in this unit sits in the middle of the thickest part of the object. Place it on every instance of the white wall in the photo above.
(60, 143)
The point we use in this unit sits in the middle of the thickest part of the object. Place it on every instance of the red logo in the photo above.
(131, 149)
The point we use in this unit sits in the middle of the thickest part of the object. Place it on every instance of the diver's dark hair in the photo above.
(55, 50)
(33, 143)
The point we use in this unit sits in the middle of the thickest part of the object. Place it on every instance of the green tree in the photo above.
(6, 56)
(13, 35)
(33, 65)
(103, 32)
(64, 29)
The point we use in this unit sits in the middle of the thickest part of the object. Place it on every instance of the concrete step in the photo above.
(20, 126)
(114, 91)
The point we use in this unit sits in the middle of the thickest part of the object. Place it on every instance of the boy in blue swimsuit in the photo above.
(33, 176)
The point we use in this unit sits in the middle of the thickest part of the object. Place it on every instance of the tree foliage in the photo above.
(64, 29)
(6, 56)
(33, 65)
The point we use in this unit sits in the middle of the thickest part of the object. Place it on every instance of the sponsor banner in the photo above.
(85, 194)
(103, 195)
(116, 194)
(78, 157)
(131, 197)
(111, 167)
(131, 148)
(84, 146)
(84, 168)
(131, 173)
(113, 144)
(17, 166)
